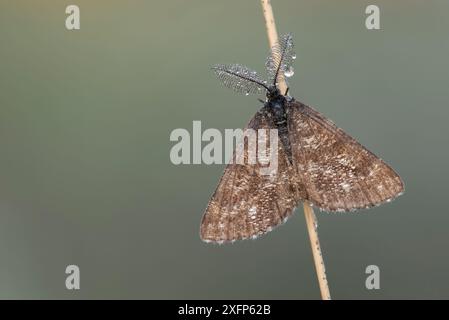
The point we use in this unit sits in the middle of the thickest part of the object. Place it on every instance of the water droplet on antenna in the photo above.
(289, 72)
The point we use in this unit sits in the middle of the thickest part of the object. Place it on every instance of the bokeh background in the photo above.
(85, 173)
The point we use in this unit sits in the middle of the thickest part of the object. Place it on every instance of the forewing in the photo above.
(246, 203)
(338, 172)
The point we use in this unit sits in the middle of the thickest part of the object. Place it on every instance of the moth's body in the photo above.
(276, 106)
(317, 162)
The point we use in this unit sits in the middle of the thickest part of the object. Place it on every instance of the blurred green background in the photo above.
(85, 174)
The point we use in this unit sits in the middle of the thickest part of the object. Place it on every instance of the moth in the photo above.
(317, 161)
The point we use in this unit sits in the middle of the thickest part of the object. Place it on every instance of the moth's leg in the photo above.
(286, 91)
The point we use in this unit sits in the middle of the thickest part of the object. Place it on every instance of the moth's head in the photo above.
(273, 92)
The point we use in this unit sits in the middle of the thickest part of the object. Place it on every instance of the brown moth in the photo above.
(317, 162)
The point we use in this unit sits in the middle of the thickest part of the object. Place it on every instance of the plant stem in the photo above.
(311, 220)
(312, 226)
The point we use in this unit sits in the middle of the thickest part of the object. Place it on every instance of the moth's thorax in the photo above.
(276, 105)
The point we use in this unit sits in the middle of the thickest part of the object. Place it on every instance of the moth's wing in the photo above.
(247, 203)
(338, 172)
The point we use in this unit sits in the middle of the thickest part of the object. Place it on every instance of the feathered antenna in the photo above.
(279, 62)
(240, 78)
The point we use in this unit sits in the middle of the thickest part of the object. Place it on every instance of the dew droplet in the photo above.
(294, 56)
(289, 72)
(246, 93)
